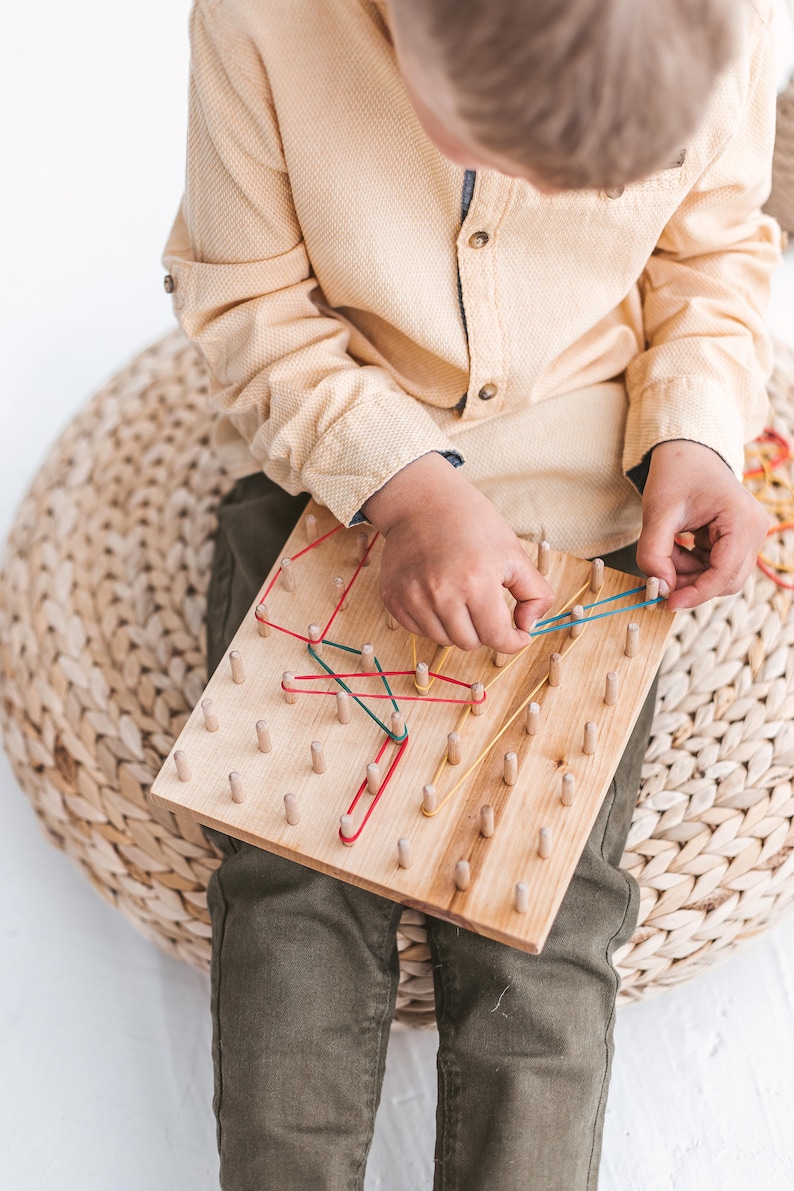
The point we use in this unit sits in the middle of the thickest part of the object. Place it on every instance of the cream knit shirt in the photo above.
(315, 260)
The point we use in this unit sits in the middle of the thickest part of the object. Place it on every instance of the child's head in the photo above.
(571, 94)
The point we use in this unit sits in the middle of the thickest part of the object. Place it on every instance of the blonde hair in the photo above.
(583, 93)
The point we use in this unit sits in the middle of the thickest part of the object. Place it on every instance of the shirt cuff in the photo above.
(454, 457)
(367, 447)
(690, 408)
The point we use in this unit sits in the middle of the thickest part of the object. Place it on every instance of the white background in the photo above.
(104, 1043)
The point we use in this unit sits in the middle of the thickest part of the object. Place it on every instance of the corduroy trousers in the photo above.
(305, 971)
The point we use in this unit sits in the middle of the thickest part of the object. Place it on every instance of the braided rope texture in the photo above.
(102, 598)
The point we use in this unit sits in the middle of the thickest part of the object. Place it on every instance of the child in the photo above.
(524, 235)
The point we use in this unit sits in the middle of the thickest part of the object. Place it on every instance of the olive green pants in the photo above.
(305, 971)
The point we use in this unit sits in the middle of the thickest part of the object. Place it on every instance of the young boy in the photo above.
(523, 235)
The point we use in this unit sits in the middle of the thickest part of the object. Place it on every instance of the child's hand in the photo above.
(690, 488)
(447, 557)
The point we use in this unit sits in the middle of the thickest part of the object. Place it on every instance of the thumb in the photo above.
(533, 595)
(656, 544)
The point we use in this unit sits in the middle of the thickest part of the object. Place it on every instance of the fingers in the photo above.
(533, 595)
(657, 550)
(494, 624)
(449, 622)
(689, 563)
(478, 616)
(729, 564)
(491, 618)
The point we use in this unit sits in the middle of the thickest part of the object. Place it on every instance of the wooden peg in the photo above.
(182, 767)
(486, 821)
(568, 789)
(453, 748)
(555, 669)
(373, 777)
(478, 702)
(391, 623)
(577, 615)
(463, 875)
(263, 736)
(318, 756)
(288, 580)
(291, 809)
(632, 640)
(287, 679)
(429, 800)
(315, 640)
(362, 545)
(367, 659)
(589, 738)
(339, 591)
(544, 558)
(347, 827)
(238, 670)
(522, 897)
(533, 719)
(404, 853)
(261, 617)
(344, 707)
(422, 678)
(236, 785)
(611, 686)
(500, 659)
(652, 588)
(310, 525)
(511, 769)
(210, 718)
(596, 575)
(397, 725)
(544, 843)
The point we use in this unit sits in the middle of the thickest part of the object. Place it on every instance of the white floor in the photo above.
(104, 1043)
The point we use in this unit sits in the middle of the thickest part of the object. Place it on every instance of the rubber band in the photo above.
(351, 839)
(770, 483)
(565, 612)
(424, 689)
(342, 598)
(345, 687)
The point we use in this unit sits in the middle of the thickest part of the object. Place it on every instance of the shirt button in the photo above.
(168, 284)
(479, 239)
(614, 192)
(487, 392)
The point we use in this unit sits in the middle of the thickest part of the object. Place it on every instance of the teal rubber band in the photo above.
(362, 705)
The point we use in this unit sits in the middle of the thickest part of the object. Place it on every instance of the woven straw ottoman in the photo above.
(101, 633)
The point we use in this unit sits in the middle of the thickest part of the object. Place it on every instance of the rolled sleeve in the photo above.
(313, 418)
(705, 289)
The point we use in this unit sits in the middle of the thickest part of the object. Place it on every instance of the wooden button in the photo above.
(479, 239)
(168, 284)
(487, 392)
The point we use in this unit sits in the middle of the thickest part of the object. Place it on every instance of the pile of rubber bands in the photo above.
(768, 477)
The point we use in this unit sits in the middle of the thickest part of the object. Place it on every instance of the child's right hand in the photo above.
(447, 558)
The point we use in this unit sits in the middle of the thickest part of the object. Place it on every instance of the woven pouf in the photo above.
(101, 612)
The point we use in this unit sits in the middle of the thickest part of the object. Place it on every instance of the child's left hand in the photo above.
(691, 489)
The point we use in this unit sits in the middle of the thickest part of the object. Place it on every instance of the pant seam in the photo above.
(218, 967)
(629, 889)
(375, 1071)
(448, 1084)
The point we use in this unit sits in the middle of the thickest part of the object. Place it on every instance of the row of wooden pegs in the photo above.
(289, 581)
(363, 542)
(422, 674)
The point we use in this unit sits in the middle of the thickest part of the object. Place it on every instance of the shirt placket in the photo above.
(477, 248)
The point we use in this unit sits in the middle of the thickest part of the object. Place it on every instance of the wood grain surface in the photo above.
(439, 841)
